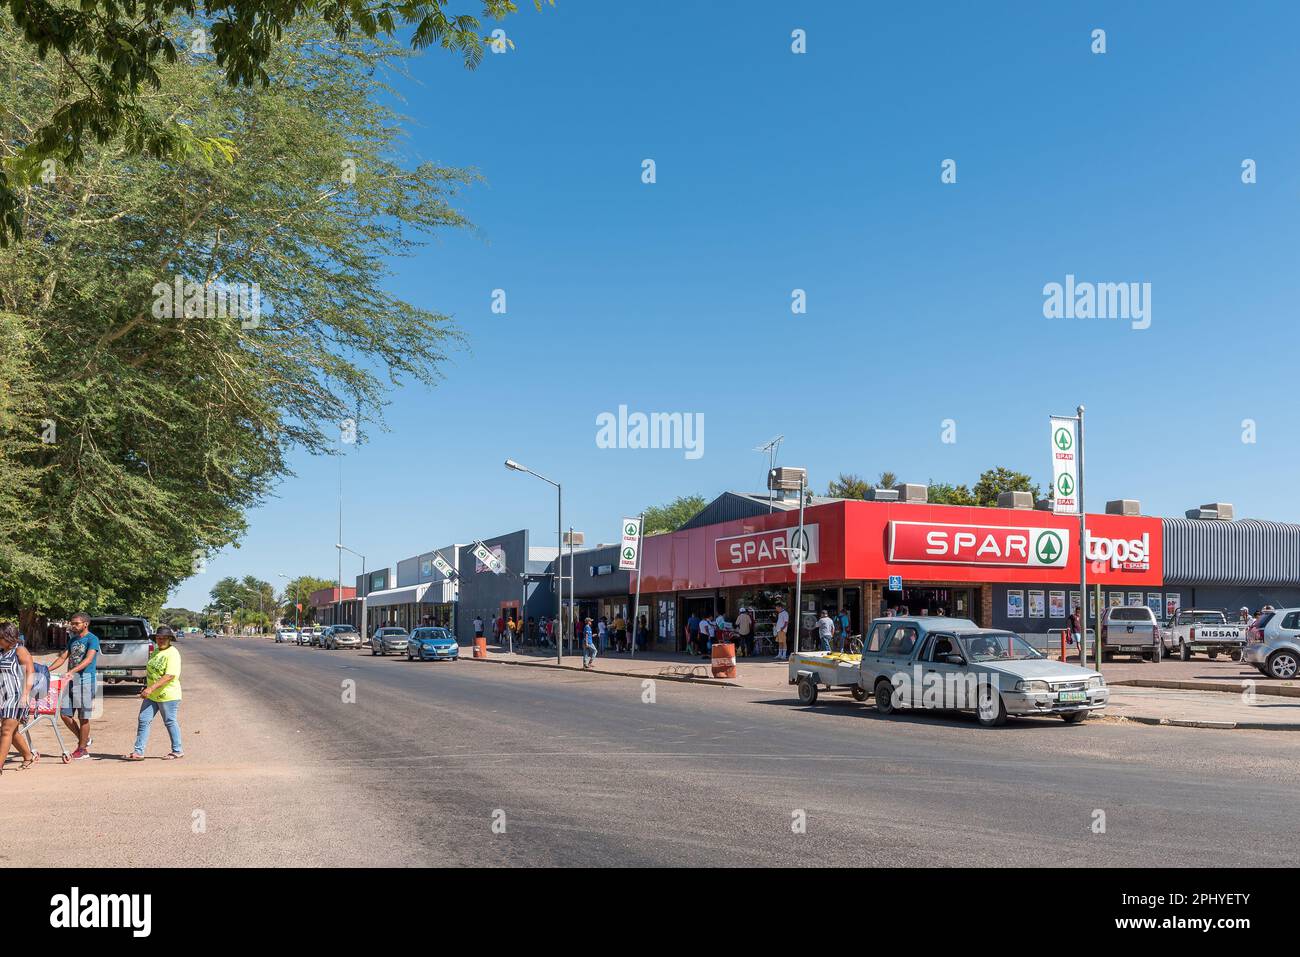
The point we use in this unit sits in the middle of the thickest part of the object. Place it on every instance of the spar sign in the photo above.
(1065, 465)
(932, 543)
(631, 544)
(777, 547)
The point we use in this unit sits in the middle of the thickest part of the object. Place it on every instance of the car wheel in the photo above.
(1075, 717)
(1184, 652)
(1214, 655)
(807, 691)
(992, 709)
(373, 650)
(1282, 664)
(884, 691)
(1238, 655)
(859, 693)
(409, 656)
(1107, 656)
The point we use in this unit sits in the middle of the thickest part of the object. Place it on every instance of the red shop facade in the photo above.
(1001, 567)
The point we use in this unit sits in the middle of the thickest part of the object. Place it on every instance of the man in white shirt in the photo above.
(825, 630)
(779, 630)
(706, 636)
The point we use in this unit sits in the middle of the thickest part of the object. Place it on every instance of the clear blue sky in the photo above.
(778, 171)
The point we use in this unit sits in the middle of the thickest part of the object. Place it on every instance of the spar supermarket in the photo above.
(1015, 568)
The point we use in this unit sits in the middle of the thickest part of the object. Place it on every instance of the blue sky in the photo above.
(821, 171)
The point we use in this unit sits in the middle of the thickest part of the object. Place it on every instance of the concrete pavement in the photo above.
(337, 758)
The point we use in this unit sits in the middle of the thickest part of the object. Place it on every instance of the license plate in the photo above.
(1072, 696)
(115, 672)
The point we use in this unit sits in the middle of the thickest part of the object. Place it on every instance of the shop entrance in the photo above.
(953, 602)
(701, 606)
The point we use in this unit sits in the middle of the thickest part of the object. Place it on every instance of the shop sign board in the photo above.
(493, 561)
(1065, 465)
(935, 543)
(444, 568)
(631, 545)
(777, 547)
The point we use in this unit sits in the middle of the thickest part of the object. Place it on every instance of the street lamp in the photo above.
(559, 552)
(343, 548)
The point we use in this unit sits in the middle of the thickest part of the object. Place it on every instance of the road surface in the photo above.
(303, 756)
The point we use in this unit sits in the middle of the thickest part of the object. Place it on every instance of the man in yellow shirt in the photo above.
(162, 694)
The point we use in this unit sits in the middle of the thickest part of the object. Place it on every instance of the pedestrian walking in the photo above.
(642, 634)
(779, 631)
(693, 633)
(745, 631)
(844, 628)
(604, 634)
(1075, 637)
(78, 704)
(825, 629)
(706, 636)
(588, 647)
(16, 674)
(162, 695)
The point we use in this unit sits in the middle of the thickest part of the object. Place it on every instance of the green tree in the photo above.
(995, 480)
(109, 58)
(670, 517)
(851, 485)
(169, 423)
(944, 493)
(298, 591)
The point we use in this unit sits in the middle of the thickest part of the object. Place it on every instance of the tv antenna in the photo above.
(771, 449)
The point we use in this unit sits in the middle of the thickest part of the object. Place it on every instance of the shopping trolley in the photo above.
(46, 708)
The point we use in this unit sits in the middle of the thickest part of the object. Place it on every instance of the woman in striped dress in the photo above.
(16, 673)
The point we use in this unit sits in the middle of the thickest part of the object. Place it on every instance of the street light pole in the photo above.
(559, 538)
(343, 548)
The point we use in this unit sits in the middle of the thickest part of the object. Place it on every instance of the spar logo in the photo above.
(771, 549)
(1065, 485)
(1063, 440)
(934, 543)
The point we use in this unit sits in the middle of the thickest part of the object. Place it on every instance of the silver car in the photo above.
(340, 636)
(389, 641)
(1273, 643)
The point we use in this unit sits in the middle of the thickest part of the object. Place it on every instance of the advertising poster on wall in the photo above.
(1153, 602)
(1173, 602)
(1058, 604)
(1135, 599)
(1036, 609)
(1015, 603)
(1115, 599)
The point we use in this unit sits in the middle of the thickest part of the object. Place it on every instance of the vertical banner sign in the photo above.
(631, 545)
(1065, 466)
(492, 562)
(440, 563)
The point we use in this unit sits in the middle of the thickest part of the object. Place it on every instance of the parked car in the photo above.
(304, 636)
(1208, 632)
(951, 664)
(389, 641)
(286, 636)
(1131, 630)
(432, 643)
(341, 636)
(1273, 644)
(125, 644)
(209, 634)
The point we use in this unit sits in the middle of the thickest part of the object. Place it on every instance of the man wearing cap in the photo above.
(779, 630)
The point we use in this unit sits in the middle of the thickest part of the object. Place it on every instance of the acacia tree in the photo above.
(111, 54)
(169, 423)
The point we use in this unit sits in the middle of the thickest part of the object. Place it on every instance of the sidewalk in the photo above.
(1198, 693)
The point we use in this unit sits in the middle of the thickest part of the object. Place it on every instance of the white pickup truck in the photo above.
(1208, 632)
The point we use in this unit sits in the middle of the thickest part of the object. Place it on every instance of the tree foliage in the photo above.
(135, 438)
(110, 55)
(670, 517)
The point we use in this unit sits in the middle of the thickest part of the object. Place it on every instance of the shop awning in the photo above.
(410, 595)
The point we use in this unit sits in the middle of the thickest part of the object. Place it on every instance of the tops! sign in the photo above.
(770, 549)
(933, 543)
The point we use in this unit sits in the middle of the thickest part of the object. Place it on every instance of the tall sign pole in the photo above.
(1083, 568)
(1067, 499)
(629, 559)
(798, 569)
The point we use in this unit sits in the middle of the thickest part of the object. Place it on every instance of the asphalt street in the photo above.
(304, 756)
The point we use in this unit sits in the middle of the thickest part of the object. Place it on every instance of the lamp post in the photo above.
(791, 480)
(343, 548)
(559, 542)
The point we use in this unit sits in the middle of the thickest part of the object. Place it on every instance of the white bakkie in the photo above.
(1206, 632)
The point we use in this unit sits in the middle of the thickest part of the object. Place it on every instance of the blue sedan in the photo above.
(435, 643)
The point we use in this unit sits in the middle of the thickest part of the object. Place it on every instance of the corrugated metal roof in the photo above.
(1244, 552)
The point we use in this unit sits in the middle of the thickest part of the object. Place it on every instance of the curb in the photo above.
(1283, 691)
(686, 679)
(1211, 725)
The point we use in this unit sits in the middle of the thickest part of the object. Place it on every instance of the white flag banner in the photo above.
(1065, 465)
(488, 560)
(443, 567)
(631, 545)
